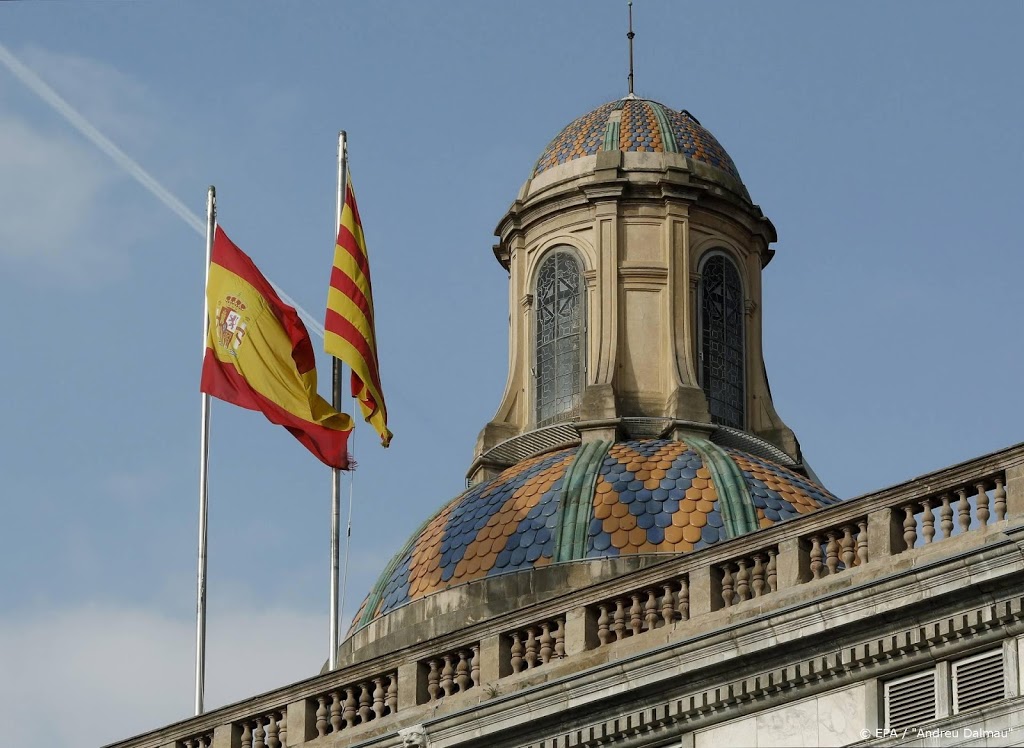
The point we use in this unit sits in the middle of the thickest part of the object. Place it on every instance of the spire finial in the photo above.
(630, 36)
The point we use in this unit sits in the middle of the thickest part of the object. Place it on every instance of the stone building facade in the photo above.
(642, 556)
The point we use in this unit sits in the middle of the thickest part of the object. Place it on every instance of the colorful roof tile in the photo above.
(594, 501)
(636, 125)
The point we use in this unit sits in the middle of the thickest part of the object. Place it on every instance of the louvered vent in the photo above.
(910, 701)
(977, 680)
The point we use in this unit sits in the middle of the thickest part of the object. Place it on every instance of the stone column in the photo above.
(884, 539)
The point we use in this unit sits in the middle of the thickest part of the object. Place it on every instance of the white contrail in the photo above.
(39, 87)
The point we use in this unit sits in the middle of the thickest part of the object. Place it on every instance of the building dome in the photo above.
(594, 501)
(636, 125)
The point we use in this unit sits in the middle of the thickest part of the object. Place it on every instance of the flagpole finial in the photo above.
(629, 36)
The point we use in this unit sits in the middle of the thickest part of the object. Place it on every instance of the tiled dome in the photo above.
(633, 124)
(594, 501)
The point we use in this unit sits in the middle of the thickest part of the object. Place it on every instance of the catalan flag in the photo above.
(349, 330)
(259, 356)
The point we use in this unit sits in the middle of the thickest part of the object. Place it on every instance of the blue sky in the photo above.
(882, 139)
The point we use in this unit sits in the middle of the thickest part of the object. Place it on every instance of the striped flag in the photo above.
(348, 329)
(259, 356)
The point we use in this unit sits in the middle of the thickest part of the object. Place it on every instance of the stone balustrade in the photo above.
(837, 549)
(680, 594)
(268, 730)
(453, 672)
(747, 577)
(356, 704)
(536, 645)
(642, 610)
(952, 512)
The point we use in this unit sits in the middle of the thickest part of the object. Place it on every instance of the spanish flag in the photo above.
(258, 356)
(349, 330)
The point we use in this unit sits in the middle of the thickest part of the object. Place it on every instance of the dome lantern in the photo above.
(634, 255)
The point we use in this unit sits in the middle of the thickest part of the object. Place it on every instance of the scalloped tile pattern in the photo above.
(502, 525)
(639, 130)
(653, 496)
(699, 144)
(581, 137)
(779, 494)
(650, 496)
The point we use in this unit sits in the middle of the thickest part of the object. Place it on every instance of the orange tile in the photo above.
(680, 519)
(673, 534)
(699, 483)
(693, 493)
(637, 536)
(602, 511)
(627, 522)
(704, 506)
(619, 510)
(698, 519)
(620, 538)
(691, 534)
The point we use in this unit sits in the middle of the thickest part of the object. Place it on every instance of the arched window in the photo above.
(559, 338)
(721, 341)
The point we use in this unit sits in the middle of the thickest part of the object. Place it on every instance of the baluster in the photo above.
(462, 679)
(560, 638)
(832, 553)
(636, 617)
(336, 711)
(378, 697)
(772, 571)
(847, 547)
(434, 677)
(683, 598)
(668, 604)
(272, 739)
(727, 598)
(246, 735)
(982, 502)
(909, 526)
(350, 711)
(651, 616)
(321, 716)
(963, 510)
(517, 653)
(603, 634)
(547, 643)
(448, 676)
(474, 665)
(259, 734)
(619, 620)
(928, 521)
(1000, 500)
(946, 516)
(816, 557)
(531, 647)
(862, 542)
(743, 581)
(282, 728)
(391, 699)
(365, 703)
(757, 575)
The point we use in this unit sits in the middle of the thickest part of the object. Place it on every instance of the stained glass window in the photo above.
(721, 342)
(559, 338)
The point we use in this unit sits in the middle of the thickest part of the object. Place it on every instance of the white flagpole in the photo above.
(336, 371)
(204, 458)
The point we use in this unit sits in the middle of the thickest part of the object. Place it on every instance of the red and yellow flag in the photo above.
(348, 330)
(258, 356)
